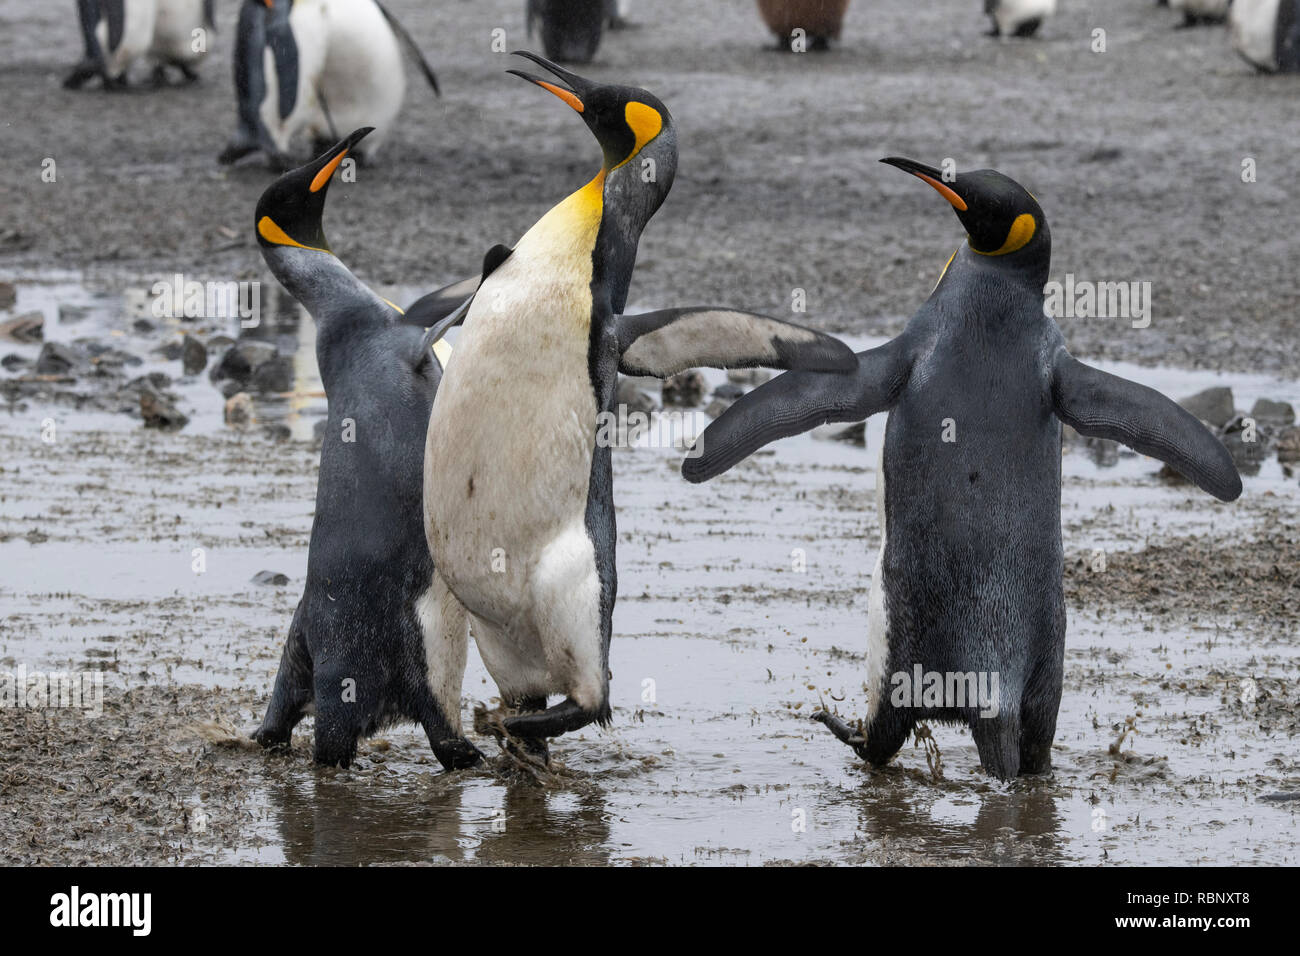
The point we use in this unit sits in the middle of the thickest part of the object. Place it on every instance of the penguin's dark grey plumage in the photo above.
(356, 650)
(977, 385)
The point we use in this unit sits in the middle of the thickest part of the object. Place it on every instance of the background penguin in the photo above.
(316, 66)
(520, 520)
(570, 29)
(174, 36)
(969, 577)
(355, 654)
(1018, 18)
(1267, 33)
(116, 33)
(1198, 12)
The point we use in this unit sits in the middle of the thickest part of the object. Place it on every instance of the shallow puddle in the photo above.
(721, 651)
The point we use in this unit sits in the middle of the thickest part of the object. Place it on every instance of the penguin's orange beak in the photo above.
(928, 174)
(577, 84)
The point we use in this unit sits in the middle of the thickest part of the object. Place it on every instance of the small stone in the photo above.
(194, 355)
(274, 375)
(15, 363)
(633, 397)
(748, 376)
(171, 351)
(239, 409)
(72, 314)
(56, 359)
(855, 434)
(28, 327)
(159, 412)
(278, 431)
(142, 326)
(243, 359)
(1213, 405)
(685, 389)
(728, 391)
(271, 578)
(8, 295)
(1288, 444)
(1273, 413)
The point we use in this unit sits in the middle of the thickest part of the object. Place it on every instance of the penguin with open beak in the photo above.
(520, 520)
(968, 575)
(356, 649)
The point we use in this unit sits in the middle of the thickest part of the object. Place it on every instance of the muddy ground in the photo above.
(1177, 735)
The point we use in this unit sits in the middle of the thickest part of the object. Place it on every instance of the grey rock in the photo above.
(1273, 413)
(717, 407)
(28, 327)
(685, 389)
(243, 359)
(15, 363)
(57, 359)
(8, 295)
(239, 409)
(274, 375)
(159, 412)
(636, 399)
(748, 376)
(72, 314)
(728, 391)
(854, 434)
(271, 578)
(1213, 405)
(194, 355)
(1288, 444)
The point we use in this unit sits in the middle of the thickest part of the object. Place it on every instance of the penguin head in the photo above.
(634, 129)
(1000, 215)
(292, 208)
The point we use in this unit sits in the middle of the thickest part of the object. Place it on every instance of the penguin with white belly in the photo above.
(116, 33)
(1018, 18)
(520, 519)
(967, 586)
(316, 67)
(1266, 33)
(355, 654)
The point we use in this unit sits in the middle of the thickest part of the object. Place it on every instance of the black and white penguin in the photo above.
(968, 580)
(520, 520)
(570, 30)
(1018, 18)
(1266, 33)
(1199, 12)
(116, 33)
(316, 67)
(356, 650)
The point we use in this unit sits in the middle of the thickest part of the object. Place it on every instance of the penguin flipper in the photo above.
(797, 402)
(672, 340)
(412, 48)
(1100, 405)
(454, 299)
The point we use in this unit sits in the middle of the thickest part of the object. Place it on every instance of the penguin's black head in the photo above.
(1000, 216)
(291, 209)
(632, 125)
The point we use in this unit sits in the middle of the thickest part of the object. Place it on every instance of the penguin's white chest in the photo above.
(174, 39)
(1013, 14)
(137, 35)
(877, 614)
(1253, 24)
(512, 432)
(350, 74)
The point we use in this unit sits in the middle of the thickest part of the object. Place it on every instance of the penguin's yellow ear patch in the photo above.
(645, 123)
(1018, 236)
(272, 233)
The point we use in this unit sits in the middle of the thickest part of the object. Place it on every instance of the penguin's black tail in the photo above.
(412, 48)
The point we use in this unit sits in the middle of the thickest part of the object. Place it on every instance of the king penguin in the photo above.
(520, 520)
(316, 66)
(355, 653)
(1266, 33)
(968, 578)
(1017, 18)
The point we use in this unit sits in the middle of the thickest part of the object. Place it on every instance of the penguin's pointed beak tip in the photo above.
(568, 96)
(928, 174)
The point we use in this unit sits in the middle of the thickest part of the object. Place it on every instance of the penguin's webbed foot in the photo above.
(82, 73)
(457, 754)
(844, 732)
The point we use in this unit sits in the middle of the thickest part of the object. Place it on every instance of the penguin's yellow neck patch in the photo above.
(1022, 230)
(945, 268)
(268, 230)
(645, 122)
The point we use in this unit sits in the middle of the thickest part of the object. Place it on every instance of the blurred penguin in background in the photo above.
(1017, 18)
(1266, 33)
(116, 33)
(1201, 12)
